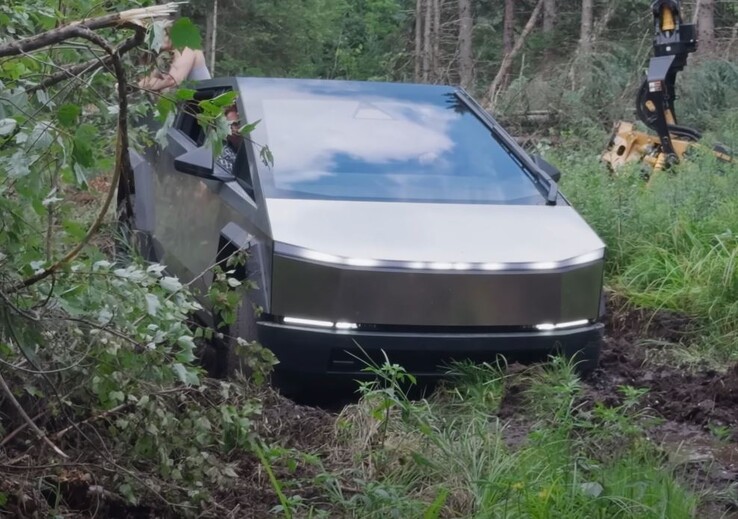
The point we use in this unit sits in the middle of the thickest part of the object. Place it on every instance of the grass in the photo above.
(672, 243)
(453, 456)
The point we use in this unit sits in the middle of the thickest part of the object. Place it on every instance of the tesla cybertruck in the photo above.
(394, 218)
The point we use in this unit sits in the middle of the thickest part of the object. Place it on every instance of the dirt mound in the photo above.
(702, 397)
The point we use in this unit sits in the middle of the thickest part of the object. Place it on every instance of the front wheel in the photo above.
(585, 358)
(224, 360)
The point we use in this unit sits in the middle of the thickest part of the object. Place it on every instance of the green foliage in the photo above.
(452, 457)
(184, 34)
(108, 340)
(671, 243)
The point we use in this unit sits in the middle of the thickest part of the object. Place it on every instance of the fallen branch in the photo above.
(39, 433)
(129, 19)
(57, 435)
(122, 159)
(91, 65)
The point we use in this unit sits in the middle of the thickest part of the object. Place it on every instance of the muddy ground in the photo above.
(698, 429)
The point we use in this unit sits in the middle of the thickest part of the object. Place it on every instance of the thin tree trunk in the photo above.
(508, 27)
(549, 16)
(731, 42)
(466, 58)
(585, 31)
(427, 49)
(549, 24)
(436, 38)
(706, 27)
(507, 60)
(214, 37)
(211, 28)
(508, 37)
(603, 22)
(418, 38)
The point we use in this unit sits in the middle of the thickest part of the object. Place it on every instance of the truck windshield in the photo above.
(378, 141)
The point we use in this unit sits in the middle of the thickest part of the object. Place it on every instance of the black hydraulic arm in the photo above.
(673, 41)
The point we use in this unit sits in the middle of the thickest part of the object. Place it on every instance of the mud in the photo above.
(699, 408)
(702, 397)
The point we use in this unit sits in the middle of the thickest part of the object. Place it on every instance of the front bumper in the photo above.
(309, 350)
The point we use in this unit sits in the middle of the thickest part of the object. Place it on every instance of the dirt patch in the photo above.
(700, 407)
(703, 397)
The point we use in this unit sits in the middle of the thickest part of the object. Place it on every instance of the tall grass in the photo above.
(452, 456)
(672, 243)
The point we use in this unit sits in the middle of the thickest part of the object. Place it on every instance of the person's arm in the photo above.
(178, 71)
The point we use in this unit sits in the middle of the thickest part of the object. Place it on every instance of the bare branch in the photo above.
(91, 65)
(39, 433)
(122, 160)
(132, 18)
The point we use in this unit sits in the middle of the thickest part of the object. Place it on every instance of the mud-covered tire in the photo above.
(586, 359)
(226, 361)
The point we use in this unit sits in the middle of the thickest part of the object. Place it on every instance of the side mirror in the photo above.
(551, 170)
(198, 162)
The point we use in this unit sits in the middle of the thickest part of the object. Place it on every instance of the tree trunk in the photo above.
(418, 38)
(507, 60)
(436, 39)
(585, 31)
(508, 27)
(466, 58)
(214, 38)
(549, 16)
(549, 23)
(706, 27)
(508, 38)
(211, 29)
(427, 49)
(602, 23)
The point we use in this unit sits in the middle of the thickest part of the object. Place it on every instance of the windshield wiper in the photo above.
(499, 133)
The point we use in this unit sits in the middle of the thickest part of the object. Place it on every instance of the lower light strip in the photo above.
(308, 322)
(559, 326)
(320, 324)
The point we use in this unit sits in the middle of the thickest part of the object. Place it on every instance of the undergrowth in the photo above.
(672, 242)
(452, 455)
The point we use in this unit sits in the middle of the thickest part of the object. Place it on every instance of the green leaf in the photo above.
(224, 99)
(82, 150)
(117, 396)
(248, 128)
(165, 105)
(68, 114)
(7, 126)
(17, 164)
(185, 94)
(184, 375)
(434, 510)
(75, 230)
(184, 34)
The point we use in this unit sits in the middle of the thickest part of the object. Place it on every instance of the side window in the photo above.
(242, 171)
(186, 122)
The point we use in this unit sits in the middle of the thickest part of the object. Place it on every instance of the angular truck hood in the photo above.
(426, 232)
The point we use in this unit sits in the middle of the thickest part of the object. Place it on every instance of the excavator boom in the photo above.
(673, 41)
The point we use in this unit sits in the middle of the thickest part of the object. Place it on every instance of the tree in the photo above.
(705, 12)
(585, 30)
(508, 27)
(466, 58)
(549, 16)
(508, 58)
(418, 39)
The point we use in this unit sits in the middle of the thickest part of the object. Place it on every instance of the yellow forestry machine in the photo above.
(673, 42)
